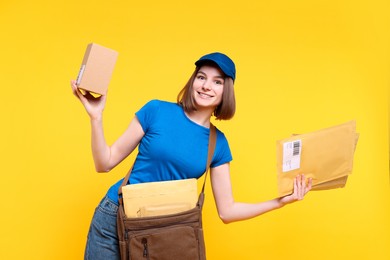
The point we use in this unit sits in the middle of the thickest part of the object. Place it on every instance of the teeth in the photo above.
(204, 95)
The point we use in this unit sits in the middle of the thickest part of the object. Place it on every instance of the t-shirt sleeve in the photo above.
(147, 114)
(222, 152)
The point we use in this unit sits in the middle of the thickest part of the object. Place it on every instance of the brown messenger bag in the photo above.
(166, 237)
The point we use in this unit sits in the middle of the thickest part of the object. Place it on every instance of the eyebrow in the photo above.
(221, 77)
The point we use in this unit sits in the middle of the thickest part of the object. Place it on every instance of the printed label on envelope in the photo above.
(292, 155)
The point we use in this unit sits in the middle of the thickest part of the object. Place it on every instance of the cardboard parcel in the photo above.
(96, 69)
(326, 156)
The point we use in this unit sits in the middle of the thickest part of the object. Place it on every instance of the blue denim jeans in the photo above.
(102, 242)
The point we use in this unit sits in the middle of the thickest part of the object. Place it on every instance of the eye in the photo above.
(219, 82)
(201, 77)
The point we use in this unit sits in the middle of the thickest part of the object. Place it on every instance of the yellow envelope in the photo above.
(326, 156)
(159, 198)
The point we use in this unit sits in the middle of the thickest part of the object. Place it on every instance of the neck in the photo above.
(200, 117)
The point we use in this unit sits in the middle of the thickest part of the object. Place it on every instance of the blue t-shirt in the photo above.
(173, 147)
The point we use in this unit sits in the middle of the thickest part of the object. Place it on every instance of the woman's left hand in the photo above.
(299, 192)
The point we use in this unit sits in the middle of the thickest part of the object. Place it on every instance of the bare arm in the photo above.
(230, 210)
(107, 157)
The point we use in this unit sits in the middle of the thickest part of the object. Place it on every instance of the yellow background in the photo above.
(302, 66)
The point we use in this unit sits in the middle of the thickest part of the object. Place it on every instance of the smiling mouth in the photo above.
(204, 95)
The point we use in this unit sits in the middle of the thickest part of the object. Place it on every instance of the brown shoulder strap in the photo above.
(210, 153)
(211, 149)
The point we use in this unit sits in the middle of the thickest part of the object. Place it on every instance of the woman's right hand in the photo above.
(93, 106)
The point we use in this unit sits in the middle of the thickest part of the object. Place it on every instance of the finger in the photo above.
(295, 187)
(299, 186)
(74, 87)
(79, 94)
(73, 84)
(303, 186)
(309, 185)
(76, 93)
(84, 98)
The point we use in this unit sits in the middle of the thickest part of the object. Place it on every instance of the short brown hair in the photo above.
(224, 111)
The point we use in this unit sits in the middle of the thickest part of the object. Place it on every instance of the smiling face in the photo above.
(208, 87)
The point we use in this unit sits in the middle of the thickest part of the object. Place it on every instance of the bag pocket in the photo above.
(175, 243)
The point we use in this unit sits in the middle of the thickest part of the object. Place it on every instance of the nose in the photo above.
(206, 85)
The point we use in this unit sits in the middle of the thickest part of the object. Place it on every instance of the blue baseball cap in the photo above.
(222, 61)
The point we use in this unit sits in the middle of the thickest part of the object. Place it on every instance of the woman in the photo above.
(172, 139)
